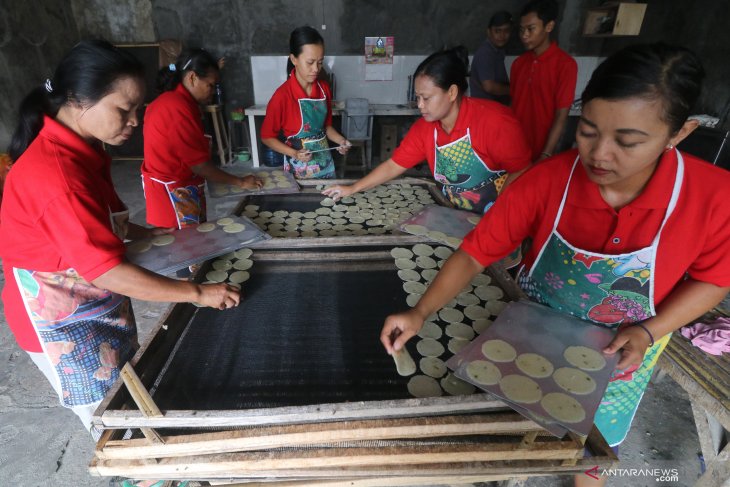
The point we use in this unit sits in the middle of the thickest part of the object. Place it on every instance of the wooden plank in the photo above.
(139, 394)
(312, 434)
(717, 473)
(242, 464)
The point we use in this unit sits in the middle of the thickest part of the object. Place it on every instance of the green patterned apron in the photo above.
(467, 180)
(312, 136)
(609, 290)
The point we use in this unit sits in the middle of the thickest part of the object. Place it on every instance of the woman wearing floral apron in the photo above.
(628, 232)
(473, 147)
(62, 228)
(299, 112)
(176, 151)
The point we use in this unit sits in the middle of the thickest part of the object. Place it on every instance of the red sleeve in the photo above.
(713, 264)
(188, 138)
(274, 119)
(508, 222)
(567, 78)
(78, 228)
(328, 96)
(504, 141)
(413, 149)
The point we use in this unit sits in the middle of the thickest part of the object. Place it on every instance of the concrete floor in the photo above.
(42, 443)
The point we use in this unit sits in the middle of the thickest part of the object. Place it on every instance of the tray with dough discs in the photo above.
(440, 224)
(547, 362)
(276, 181)
(193, 244)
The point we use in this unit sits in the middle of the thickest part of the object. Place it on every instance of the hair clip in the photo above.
(48, 85)
(187, 64)
(172, 67)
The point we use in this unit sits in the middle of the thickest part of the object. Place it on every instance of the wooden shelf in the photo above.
(615, 19)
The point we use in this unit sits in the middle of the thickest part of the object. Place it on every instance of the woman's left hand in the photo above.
(632, 341)
(250, 182)
(157, 231)
(344, 147)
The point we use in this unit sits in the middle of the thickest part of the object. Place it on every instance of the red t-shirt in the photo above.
(56, 215)
(496, 136)
(282, 112)
(174, 138)
(695, 240)
(540, 85)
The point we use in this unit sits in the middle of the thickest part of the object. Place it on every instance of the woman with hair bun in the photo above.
(176, 151)
(474, 147)
(62, 229)
(627, 231)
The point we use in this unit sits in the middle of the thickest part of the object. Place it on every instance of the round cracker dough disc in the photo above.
(481, 280)
(443, 252)
(429, 274)
(584, 358)
(224, 221)
(519, 388)
(217, 276)
(453, 241)
(467, 299)
(424, 386)
(574, 380)
(430, 330)
(488, 293)
(243, 264)
(405, 264)
(409, 275)
(534, 365)
(413, 299)
(473, 219)
(242, 253)
(483, 372)
(206, 227)
(140, 247)
(474, 312)
(423, 249)
(239, 277)
(161, 240)
(428, 347)
(460, 330)
(222, 265)
(437, 236)
(234, 228)
(456, 344)
(481, 324)
(563, 407)
(327, 202)
(455, 386)
(433, 367)
(412, 287)
(498, 351)
(425, 262)
(495, 307)
(451, 315)
(415, 229)
(401, 253)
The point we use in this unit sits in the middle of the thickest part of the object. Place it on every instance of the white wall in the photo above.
(269, 72)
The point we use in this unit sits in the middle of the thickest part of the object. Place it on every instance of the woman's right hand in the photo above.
(219, 296)
(303, 155)
(399, 328)
(339, 191)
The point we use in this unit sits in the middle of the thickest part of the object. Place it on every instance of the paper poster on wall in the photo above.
(379, 58)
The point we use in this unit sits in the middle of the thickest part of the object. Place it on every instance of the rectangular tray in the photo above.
(276, 181)
(448, 226)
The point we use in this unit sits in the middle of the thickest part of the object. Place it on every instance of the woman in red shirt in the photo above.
(300, 111)
(626, 230)
(176, 151)
(62, 227)
(473, 146)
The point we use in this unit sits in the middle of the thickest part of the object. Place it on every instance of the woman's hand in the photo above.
(344, 147)
(303, 155)
(250, 182)
(633, 342)
(218, 296)
(157, 231)
(339, 191)
(399, 328)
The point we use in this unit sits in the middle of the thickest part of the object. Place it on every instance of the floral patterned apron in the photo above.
(467, 180)
(187, 199)
(311, 136)
(87, 333)
(611, 290)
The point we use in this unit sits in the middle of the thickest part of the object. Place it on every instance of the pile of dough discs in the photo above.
(451, 328)
(525, 388)
(374, 212)
(435, 235)
(275, 179)
(231, 268)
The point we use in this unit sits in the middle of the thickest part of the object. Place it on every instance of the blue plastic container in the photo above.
(271, 158)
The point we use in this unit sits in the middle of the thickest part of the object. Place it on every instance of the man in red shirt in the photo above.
(543, 80)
